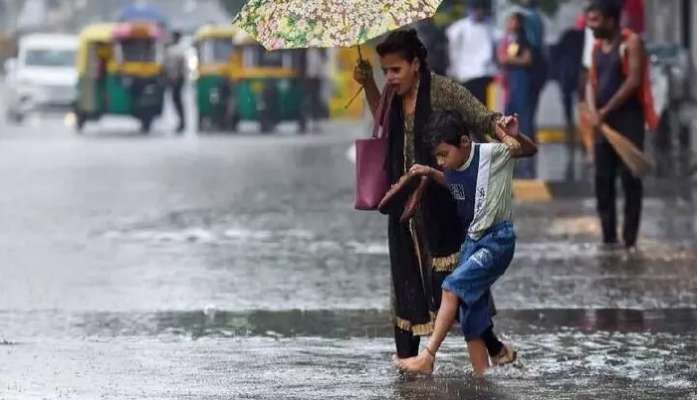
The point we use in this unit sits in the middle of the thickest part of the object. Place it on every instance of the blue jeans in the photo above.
(481, 263)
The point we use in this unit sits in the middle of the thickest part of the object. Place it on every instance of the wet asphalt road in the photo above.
(235, 267)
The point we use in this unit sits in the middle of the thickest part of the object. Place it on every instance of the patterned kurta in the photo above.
(448, 95)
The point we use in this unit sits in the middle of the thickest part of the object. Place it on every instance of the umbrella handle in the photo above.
(352, 99)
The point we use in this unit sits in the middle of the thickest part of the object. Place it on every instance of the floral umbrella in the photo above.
(288, 24)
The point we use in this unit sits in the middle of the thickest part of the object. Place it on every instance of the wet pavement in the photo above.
(229, 267)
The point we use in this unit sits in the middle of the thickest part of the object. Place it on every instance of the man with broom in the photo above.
(618, 97)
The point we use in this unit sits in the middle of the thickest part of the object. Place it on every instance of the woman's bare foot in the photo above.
(420, 364)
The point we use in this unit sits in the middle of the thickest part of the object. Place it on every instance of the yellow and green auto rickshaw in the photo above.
(215, 60)
(120, 69)
(267, 86)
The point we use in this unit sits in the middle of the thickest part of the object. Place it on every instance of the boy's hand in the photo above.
(509, 124)
(510, 141)
(420, 170)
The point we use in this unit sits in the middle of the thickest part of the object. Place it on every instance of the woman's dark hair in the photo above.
(406, 43)
(444, 126)
(520, 18)
(608, 8)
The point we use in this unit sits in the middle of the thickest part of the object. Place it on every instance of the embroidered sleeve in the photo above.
(449, 95)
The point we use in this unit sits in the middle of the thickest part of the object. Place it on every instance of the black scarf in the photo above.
(444, 229)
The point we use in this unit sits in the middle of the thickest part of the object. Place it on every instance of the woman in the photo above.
(425, 250)
(515, 55)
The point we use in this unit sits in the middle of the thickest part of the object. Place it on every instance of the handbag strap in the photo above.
(381, 116)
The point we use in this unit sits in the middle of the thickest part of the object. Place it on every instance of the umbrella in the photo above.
(142, 12)
(327, 23)
(293, 24)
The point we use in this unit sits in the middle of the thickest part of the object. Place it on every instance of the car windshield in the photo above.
(269, 58)
(257, 56)
(143, 50)
(216, 50)
(49, 58)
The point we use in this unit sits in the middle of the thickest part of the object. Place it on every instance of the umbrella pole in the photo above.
(352, 99)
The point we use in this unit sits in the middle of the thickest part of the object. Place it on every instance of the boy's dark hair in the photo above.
(444, 126)
(608, 8)
(406, 43)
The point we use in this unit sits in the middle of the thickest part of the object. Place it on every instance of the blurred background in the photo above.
(218, 255)
(301, 87)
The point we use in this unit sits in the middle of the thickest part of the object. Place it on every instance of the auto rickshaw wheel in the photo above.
(79, 122)
(267, 126)
(201, 124)
(302, 126)
(233, 124)
(205, 124)
(146, 125)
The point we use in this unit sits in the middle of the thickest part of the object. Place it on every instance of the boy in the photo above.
(479, 176)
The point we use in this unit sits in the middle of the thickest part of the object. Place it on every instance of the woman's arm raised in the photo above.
(364, 76)
(453, 96)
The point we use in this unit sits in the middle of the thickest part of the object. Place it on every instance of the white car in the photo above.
(43, 77)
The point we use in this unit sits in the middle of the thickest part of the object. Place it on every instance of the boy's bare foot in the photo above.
(420, 364)
(505, 357)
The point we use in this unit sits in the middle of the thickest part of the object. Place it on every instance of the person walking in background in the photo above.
(534, 30)
(316, 71)
(515, 56)
(471, 50)
(565, 59)
(433, 36)
(176, 74)
(565, 64)
(614, 95)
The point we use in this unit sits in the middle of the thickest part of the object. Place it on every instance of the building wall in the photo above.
(663, 23)
(694, 29)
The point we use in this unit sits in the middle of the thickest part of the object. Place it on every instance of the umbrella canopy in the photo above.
(142, 13)
(327, 23)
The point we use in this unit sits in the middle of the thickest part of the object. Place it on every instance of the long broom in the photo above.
(637, 162)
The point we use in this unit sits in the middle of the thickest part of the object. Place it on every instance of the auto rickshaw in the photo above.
(215, 56)
(267, 85)
(120, 69)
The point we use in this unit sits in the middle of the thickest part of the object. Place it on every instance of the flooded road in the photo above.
(229, 267)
